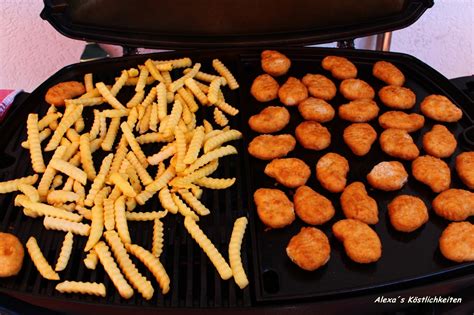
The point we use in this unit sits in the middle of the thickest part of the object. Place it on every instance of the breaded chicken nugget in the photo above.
(356, 89)
(275, 63)
(439, 142)
(454, 204)
(361, 243)
(407, 213)
(57, 94)
(274, 208)
(320, 86)
(388, 73)
(312, 135)
(401, 120)
(316, 109)
(292, 92)
(311, 207)
(309, 249)
(290, 172)
(341, 68)
(357, 204)
(440, 108)
(398, 143)
(271, 119)
(331, 172)
(465, 168)
(268, 147)
(264, 88)
(359, 111)
(432, 171)
(388, 176)
(457, 242)
(359, 137)
(11, 255)
(397, 97)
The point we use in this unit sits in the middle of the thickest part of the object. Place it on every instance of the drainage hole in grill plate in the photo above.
(468, 137)
(271, 281)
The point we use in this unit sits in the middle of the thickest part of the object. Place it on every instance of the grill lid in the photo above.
(227, 23)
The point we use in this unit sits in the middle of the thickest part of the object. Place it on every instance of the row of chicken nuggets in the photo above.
(310, 248)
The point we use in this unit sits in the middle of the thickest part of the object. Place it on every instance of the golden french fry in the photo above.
(127, 132)
(91, 288)
(225, 72)
(61, 196)
(66, 122)
(235, 246)
(70, 170)
(123, 185)
(12, 185)
(65, 252)
(88, 82)
(105, 92)
(109, 138)
(97, 227)
(39, 261)
(34, 144)
(86, 157)
(119, 83)
(219, 117)
(52, 223)
(91, 260)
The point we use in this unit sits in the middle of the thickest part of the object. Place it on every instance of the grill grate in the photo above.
(194, 281)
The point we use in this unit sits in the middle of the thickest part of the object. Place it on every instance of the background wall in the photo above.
(31, 50)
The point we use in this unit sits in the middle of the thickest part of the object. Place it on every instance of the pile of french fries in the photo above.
(73, 196)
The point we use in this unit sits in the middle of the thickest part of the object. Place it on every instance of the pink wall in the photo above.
(31, 50)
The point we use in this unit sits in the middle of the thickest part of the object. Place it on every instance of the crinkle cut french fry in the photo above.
(195, 145)
(136, 99)
(212, 95)
(195, 204)
(145, 216)
(45, 133)
(49, 174)
(48, 119)
(219, 117)
(189, 99)
(86, 101)
(183, 208)
(121, 220)
(211, 251)
(65, 252)
(70, 170)
(225, 72)
(86, 213)
(235, 246)
(29, 191)
(99, 180)
(119, 83)
(66, 122)
(162, 103)
(180, 149)
(222, 138)
(133, 81)
(226, 108)
(91, 288)
(177, 63)
(210, 156)
(166, 152)
(152, 137)
(114, 113)
(138, 281)
(155, 73)
(215, 183)
(105, 92)
(206, 77)
(91, 260)
(12, 185)
(199, 173)
(154, 117)
(145, 121)
(34, 144)
(141, 82)
(162, 181)
(165, 66)
(112, 270)
(102, 195)
(127, 132)
(72, 135)
(123, 185)
(141, 171)
(175, 85)
(47, 210)
(86, 157)
(157, 243)
(167, 201)
(133, 72)
(39, 261)
(111, 134)
(153, 264)
(174, 117)
(95, 129)
(97, 227)
(52, 223)
(88, 82)
(191, 84)
(61, 196)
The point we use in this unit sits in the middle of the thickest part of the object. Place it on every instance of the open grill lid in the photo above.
(170, 24)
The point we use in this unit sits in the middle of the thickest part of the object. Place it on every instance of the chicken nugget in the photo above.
(457, 242)
(359, 137)
(268, 147)
(465, 168)
(275, 63)
(331, 172)
(356, 89)
(311, 207)
(11, 255)
(292, 92)
(398, 143)
(439, 142)
(454, 204)
(341, 68)
(357, 204)
(320, 86)
(432, 171)
(264, 88)
(407, 213)
(274, 208)
(361, 243)
(271, 119)
(309, 249)
(359, 110)
(440, 108)
(312, 135)
(388, 176)
(290, 172)
(57, 94)
(388, 73)
(316, 109)
(397, 97)
(401, 120)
